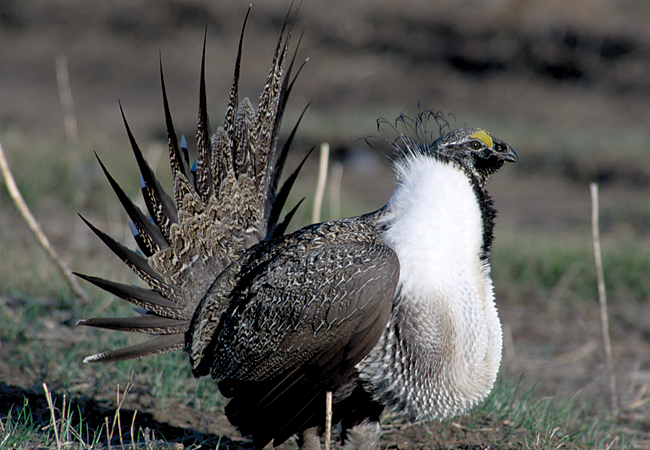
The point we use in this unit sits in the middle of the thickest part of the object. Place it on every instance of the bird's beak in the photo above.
(508, 155)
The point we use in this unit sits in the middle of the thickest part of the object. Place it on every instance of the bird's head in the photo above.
(475, 150)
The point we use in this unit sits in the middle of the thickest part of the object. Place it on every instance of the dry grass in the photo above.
(542, 284)
(553, 390)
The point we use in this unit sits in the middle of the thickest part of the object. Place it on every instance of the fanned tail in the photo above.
(223, 205)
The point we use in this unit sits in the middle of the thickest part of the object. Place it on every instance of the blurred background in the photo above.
(565, 83)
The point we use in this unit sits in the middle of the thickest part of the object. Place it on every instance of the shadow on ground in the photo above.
(95, 413)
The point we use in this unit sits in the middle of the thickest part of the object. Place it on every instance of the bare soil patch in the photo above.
(557, 68)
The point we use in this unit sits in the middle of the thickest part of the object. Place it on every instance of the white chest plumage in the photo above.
(441, 352)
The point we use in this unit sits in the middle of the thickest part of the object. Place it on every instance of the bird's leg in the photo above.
(364, 436)
(309, 439)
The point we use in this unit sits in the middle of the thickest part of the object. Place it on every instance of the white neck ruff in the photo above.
(449, 333)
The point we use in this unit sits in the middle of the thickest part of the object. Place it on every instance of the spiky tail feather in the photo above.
(229, 203)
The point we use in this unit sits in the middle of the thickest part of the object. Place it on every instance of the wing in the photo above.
(303, 312)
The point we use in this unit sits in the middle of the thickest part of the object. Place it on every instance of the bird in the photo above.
(394, 308)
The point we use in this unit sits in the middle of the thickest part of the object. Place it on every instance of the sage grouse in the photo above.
(392, 308)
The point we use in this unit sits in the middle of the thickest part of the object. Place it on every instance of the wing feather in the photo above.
(303, 311)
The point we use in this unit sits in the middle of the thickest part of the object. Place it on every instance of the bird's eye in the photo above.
(475, 145)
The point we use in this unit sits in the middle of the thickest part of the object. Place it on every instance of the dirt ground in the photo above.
(569, 74)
